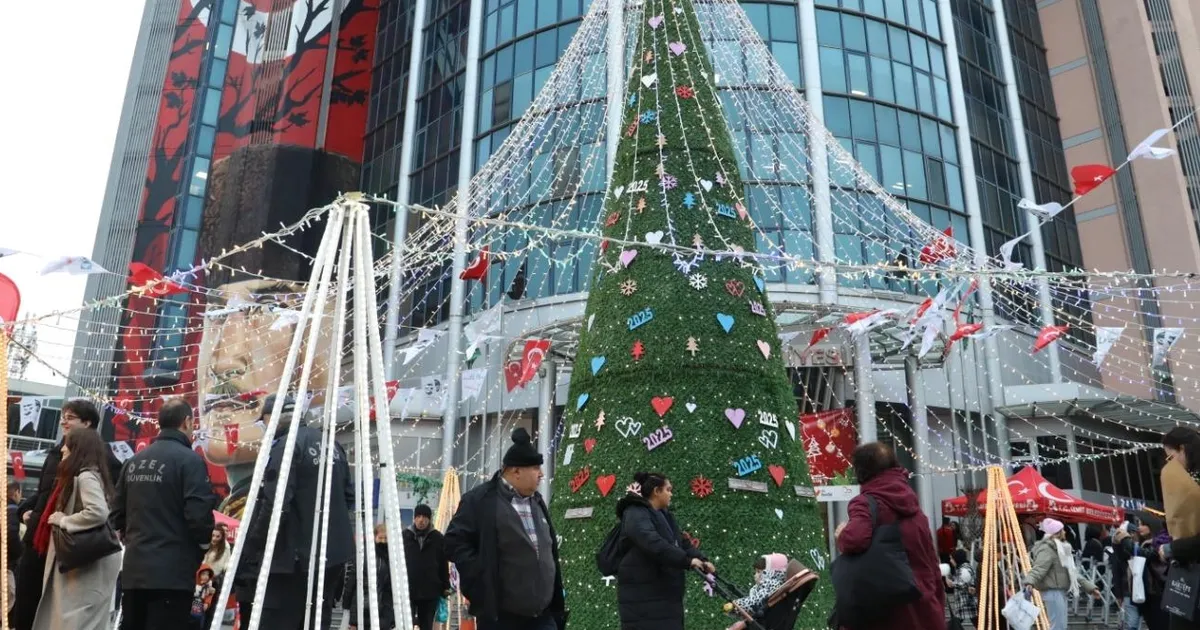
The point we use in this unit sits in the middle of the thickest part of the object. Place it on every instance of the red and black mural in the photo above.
(271, 100)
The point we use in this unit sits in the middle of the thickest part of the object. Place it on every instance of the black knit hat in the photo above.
(522, 453)
(422, 510)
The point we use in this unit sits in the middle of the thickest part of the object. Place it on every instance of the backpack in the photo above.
(611, 551)
(870, 585)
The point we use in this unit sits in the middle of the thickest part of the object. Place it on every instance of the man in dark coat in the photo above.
(504, 546)
(76, 413)
(428, 568)
(881, 477)
(384, 606)
(164, 511)
(284, 602)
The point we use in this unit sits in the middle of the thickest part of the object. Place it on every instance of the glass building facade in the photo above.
(887, 99)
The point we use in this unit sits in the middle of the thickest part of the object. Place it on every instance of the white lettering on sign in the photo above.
(580, 512)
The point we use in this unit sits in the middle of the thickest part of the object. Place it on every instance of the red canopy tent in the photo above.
(1032, 494)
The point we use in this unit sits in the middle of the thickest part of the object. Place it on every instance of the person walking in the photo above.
(77, 598)
(76, 413)
(881, 478)
(947, 540)
(384, 605)
(1054, 573)
(284, 602)
(217, 560)
(428, 567)
(651, 579)
(503, 543)
(1181, 500)
(14, 543)
(164, 512)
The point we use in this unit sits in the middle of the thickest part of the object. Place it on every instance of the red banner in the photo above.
(18, 464)
(829, 437)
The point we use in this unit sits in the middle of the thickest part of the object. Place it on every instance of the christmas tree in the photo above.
(679, 367)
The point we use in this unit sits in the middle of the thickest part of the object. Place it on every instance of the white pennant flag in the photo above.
(1006, 252)
(487, 323)
(4, 251)
(425, 338)
(990, 332)
(472, 382)
(1164, 340)
(1146, 148)
(74, 265)
(928, 337)
(31, 411)
(1044, 211)
(1106, 336)
(121, 450)
(871, 322)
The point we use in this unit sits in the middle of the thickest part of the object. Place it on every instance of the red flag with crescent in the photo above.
(531, 360)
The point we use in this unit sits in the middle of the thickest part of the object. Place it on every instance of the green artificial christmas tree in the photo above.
(679, 368)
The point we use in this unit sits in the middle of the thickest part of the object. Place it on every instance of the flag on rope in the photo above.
(1088, 177)
(150, 282)
(1106, 336)
(1164, 340)
(1146, 148)
(73, 265)
(425, 338)
(516, 290)
(1047, 336)
(940, 249)
(531, 359)
(472, 383)
(10, 299)
(477, 270)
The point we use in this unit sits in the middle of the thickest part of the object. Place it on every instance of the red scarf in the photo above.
(41, 536)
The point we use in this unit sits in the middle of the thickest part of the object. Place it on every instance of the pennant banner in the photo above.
(487, 323)
(73, 265)
(121, 450)
(18, 464)
(1106, 336)
(1146, 148)
(31, 412)
(472, 382)
(425, 339)
(1164, 340)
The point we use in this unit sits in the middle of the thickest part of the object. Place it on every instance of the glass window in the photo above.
(193, 213)
(199, 177)
(833, 74)
(570, 8)
(906, 93)
(523, 56)
(504, 64)
(489, 31)
(546, 48)
(937, 60)
(783, 23)
(829, 29)
(522, 94)
(526, 17)
(837, 115)
(925, 93)
(893, 170)
(757, 13)
(868, 155)
(854, 32)
(885, 122)
(185, 255)
(942, 93)
(224, 38)
(862, 114)
(502, 103)
(212, 106)
(874, 7)
(920, 52)
(954, 194)
(932, 26)
(914, 14)
(788, 56)
(547, 12)
(949, 144)
(881, 79)
(506, 23)
(899, 39)
(910, 131)
(929, 137)
(914, 174)
(485, 110)
(877, 38)
(216, 72)
(936, 180)
(205, 140)
(859, 82)
(895, 10)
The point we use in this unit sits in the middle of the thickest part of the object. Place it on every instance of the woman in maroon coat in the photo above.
(880, 475)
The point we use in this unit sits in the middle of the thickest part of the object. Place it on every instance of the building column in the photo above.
(1076, 473)
(404, 184)
(864, 394)
(966, 160)
(818, 152)
(920, 425)
(549, 373)
(616, 80)
(466, 163)
(1025, 170)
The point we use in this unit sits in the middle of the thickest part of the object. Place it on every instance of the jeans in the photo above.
(508, 622)
(1056, 608)
(1132, 616)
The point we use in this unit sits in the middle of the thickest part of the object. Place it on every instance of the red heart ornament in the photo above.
(735, 287)
(605, 483)
(512, 375)
(589, 444)
(777, 473)
(662, 404)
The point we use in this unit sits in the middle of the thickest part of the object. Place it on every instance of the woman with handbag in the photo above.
(1055, 574)
(1181, 499)
(82, 552)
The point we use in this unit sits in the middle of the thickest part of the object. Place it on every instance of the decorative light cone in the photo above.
(680, 369)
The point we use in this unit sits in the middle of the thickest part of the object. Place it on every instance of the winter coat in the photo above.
(471, 544)
(1118, 564)
(651, 579)
(385, 605)
(897, 502)
(1048, 572)
(164, 509)
(14, 537)
(36, 502)
(428, 567)
(755, 601)
(80, 599)
(301, 514)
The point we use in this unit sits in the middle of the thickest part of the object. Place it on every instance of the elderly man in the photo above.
(504, 546)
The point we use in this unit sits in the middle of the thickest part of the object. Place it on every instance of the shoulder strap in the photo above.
(874, 510)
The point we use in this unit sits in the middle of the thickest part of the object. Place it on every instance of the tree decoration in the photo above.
(648, 56)
(641, 205)
(580, 478)
(589, 445)
(674, 287)
(599, 421)
(605, 484)
(702, 486)
(661, 141)
(735, 287)
(777, 474)
(628, 287)
(693, 346)
(662, 404)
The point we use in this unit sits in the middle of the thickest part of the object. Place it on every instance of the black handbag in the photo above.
(73, 550)
(1181, 590)
(872, 584)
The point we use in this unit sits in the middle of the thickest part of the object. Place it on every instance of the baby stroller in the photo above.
(783, 605)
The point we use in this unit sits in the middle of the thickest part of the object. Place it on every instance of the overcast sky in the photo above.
(64, 72)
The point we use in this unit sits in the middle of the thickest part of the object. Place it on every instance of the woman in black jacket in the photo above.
(651, 577)
(387, 616)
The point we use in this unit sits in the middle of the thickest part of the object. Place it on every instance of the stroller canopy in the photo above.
(1032, 494)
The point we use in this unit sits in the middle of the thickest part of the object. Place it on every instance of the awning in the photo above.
(1074, 401)
(1032, 494)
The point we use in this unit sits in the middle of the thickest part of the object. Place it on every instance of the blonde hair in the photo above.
(380, 529)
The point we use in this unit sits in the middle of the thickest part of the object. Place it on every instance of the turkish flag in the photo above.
(818, 335)
(1088, 177)
(1047, 336)
(858, 317)
(392, 388)
(10, 299)
(141, 445)
(477, 270)
(512, 375)
(531, 360)
(18, 464)
(939, 249)
(231, 438)
(152, 282)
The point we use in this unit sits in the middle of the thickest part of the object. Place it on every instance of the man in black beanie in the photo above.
(504, 546)
(428, 567)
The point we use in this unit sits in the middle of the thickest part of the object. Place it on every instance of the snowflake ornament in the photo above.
(628, 287)
(632, 100)
(685, 92)
(698, 281)
(669, 182)
(649, 116)
(634, 488)
(702, 486)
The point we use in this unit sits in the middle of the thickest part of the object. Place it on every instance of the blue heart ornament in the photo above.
(597, 364)
(726, 321)
(581, 401)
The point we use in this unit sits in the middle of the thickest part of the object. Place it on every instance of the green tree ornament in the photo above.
(706, 412)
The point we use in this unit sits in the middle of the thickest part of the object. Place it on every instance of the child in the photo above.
(203, 598)
(770, 573)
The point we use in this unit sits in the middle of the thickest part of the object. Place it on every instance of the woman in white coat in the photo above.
(82, 598)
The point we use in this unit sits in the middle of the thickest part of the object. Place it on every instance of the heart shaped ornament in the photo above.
(655, 237)
(706, 184)
(758, 282)
(735, 416)
(662, 404)
(591, 320)
(678, 10)
(691, 407)
(764, 348)
(589, 445)
(769, 438)
(677, 48)
(656, 21)
(628, 427)
(605, 483)
(581, 401)
(618, 191)
(598, 364)
(650, 79)
(627, 256)
(791, 429)
(779, 513)
(726, 321)
(777, 473)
